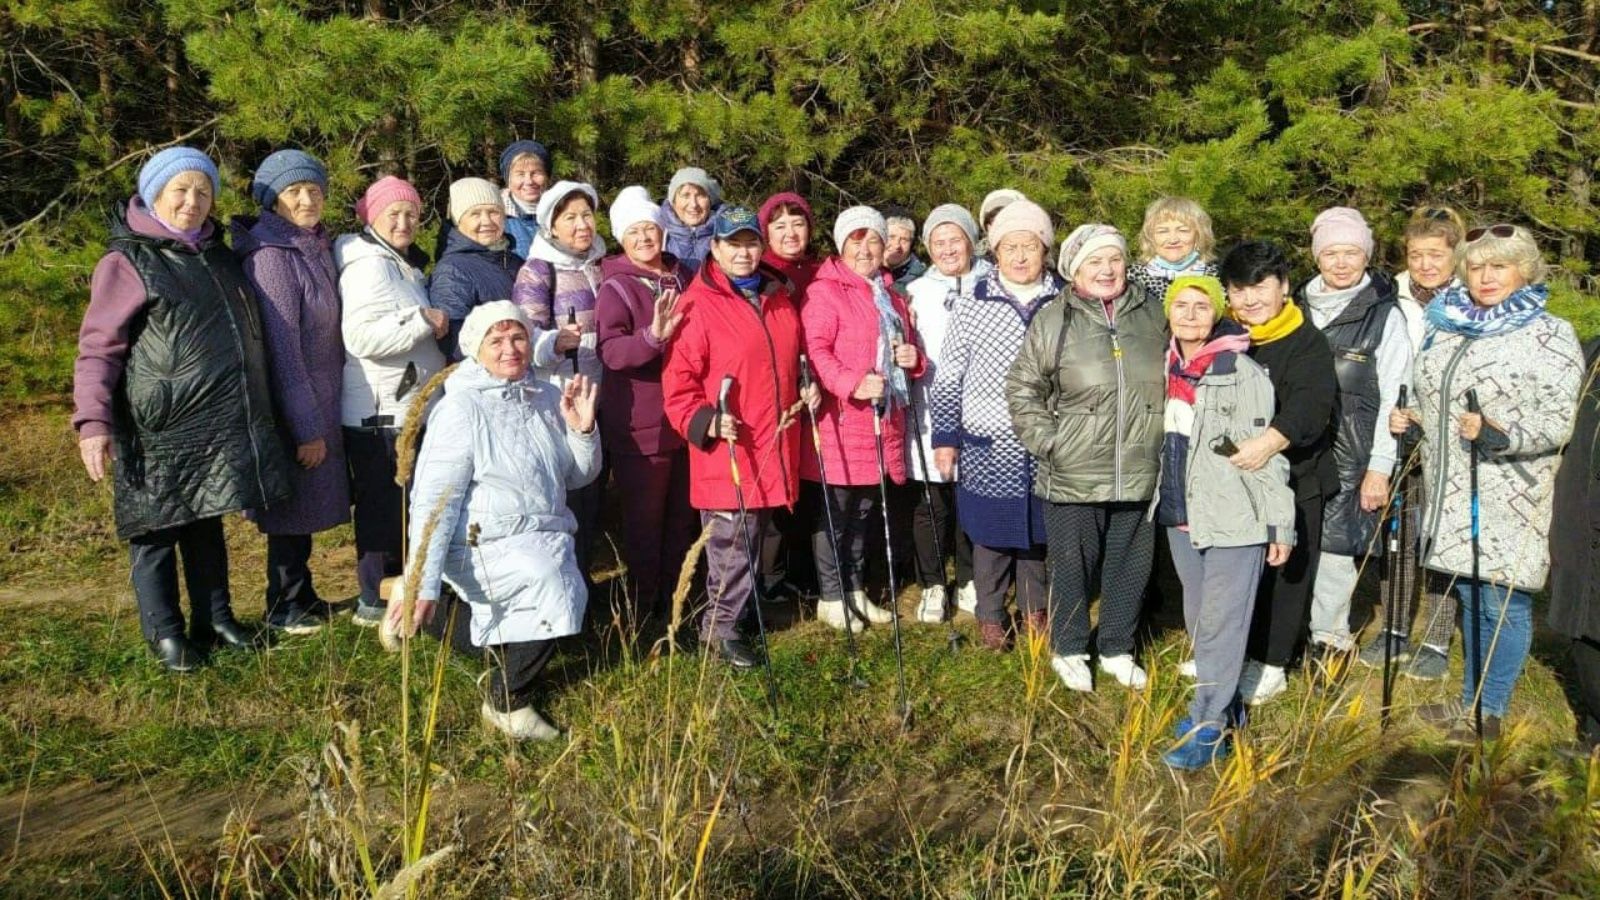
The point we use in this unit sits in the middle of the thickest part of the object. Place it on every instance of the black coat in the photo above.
(1575, 523)
(1300, 366)
(193, 413)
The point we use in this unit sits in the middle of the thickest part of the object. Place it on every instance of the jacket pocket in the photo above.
(154, 407)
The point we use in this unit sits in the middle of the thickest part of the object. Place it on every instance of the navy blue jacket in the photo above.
(468, 275)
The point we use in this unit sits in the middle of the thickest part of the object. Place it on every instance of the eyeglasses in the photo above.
(1499, 231)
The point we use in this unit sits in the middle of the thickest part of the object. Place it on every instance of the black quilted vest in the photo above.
(193, 413)
(1354, 336)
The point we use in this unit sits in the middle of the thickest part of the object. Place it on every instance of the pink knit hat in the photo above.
(1340, 225)
(382, 193)
(1021, 215)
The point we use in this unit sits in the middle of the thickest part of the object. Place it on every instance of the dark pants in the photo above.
(951, 539)
(585, 505)
(853, 520)
(370, 455)
(289, 584)
(1113, 541)
(153, 559)
(729, 584)
(1283, 602)
(513, 670)
(996, 569)
(658, 525)
(452, 624)
(1585, 665)
(786, 554)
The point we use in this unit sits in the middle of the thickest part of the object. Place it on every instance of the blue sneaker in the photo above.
(1197, 750)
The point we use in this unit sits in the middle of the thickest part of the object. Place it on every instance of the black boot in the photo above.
(232, 634)
(177, 654)
(737, 653)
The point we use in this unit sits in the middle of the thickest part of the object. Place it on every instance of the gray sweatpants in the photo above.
(728, 583)
(1219, 589)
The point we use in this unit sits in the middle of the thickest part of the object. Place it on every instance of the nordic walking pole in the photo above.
(1397, 537)
(833, 531)
(572, 319)
(878, 410)
(913, 414)
(749, 548)
(1477, 586)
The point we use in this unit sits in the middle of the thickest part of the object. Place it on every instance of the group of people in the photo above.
(1047, 422)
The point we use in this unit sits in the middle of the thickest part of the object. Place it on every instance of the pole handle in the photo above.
(722, 395)
(805, 371)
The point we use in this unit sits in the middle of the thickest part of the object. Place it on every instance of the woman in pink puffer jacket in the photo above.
(864, 352)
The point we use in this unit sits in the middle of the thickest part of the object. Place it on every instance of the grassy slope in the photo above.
(1005, 785)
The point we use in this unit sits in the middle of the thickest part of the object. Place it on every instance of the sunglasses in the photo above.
(1499, 231)
(1436, 213)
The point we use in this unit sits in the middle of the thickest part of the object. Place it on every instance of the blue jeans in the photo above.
(1506, 623)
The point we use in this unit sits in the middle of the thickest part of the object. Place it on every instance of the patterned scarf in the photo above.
(1183, 375)
(889, 334)
(1454, 311)
(1279, 326)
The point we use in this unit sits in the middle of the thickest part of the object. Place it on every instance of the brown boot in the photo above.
(993, 635)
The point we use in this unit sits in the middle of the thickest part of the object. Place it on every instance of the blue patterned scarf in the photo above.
(890, 332)
(1453, 311)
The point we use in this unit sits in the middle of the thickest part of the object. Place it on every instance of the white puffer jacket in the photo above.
(498, 456)
(385, 332)
(932, 304)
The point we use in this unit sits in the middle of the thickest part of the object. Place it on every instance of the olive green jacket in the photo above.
(1086, 399)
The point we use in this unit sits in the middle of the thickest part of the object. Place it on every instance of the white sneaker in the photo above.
(1074, 671)
(1187, 669)
(874, 613)
(522, 724)
(967, 598)
(831, 614)
(1124, 670)
(931, 611)
(1259, 683)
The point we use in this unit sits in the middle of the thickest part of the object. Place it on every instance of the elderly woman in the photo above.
(951, 238)
(525, 172)
(1355, 309)
(899, 252)
(287, 256)
(476, 264)
(556, 289)
(1300, 365)
(738, 322)
(171, 384)
(1085, 395)
(1494, 337)
(864, 350)
(1222, 522)
(1431, 239)
(391, 350)
(787, 222)
(489, 514)
(972, 429)
(692, 196)
(636, 315)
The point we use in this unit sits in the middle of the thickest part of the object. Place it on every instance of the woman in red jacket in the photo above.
(861, 343)
(738, 320)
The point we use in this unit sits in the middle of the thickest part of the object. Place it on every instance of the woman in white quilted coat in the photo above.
(489, 509)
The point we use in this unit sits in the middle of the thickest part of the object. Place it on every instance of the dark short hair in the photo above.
(567, 201)
(1248, 263)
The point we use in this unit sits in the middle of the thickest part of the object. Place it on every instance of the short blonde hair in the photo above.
(1519, 248)
(1184, 210)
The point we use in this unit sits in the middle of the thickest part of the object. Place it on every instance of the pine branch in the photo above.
(1427, 27)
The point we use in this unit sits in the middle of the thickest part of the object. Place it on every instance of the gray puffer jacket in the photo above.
(1086, 397)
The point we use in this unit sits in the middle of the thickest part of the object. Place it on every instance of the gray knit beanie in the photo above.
(950, 214)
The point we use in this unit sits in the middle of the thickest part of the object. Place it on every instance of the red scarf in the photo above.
(1183, 375)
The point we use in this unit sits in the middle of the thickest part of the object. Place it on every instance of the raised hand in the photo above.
(577, 404)
(667, 317)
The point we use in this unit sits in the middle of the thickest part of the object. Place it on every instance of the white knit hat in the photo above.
(465, 193)
(632, 206)
(950, 214)
(998, 199)
(1022, 215)
(1083, 242)
(856, 218)
(485, 317)
(548, 201)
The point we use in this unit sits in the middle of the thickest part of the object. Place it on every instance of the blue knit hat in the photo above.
(282, 169)
(520, 148)
(168, 164)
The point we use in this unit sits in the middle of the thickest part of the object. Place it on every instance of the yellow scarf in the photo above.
(1279, 326)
